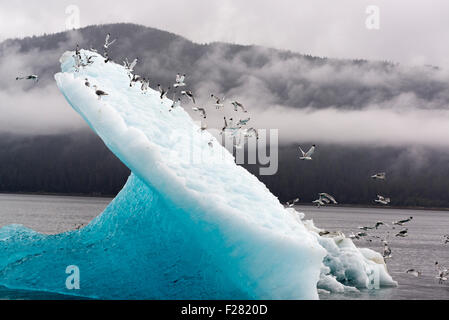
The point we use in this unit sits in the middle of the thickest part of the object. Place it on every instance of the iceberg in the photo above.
(188, 224)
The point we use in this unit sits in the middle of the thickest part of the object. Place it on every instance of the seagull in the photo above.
(328, 197)
(445, 239)
(308, 155)
(378, 224)
(237, 105)
(354, 236)
(163, 91)
(135, 79)
(202, 110)
(402, 233)
(176, 104)
(382, 200)
(225, 126)
(243, 122)
(87, 83)
(189, 94)
(218, 102)
(401, 222)
(379, 176)
(130, 66)
(30, 77)
(442, 273)
(180, 81)
(93, 50)
(414, 272)
(99, 93)
(145, 85)
(319, 202)
(106, 55)
(387, 251)
(292, 203)
(251, 132)
(107, 44)
(366, 228)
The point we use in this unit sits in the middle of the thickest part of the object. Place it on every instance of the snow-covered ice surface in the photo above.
(189, 223)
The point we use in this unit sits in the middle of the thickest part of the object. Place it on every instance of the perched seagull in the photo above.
(328, 197)
(379, 176)
(382, 200)
(414, 272)
(361, 234)
(188, 94)
(135, 79)
(163, 91)
(145, 85)
(89, 60)
(99, 93)
(292, 203)
(106, 55)
(402, 233)
(87, 83)
(30, 77)
(401, 222)
(308, 155)
(107, 44)
(176, 104)
(387, 251)
(202, 110)
(237, 105)
(180, 81)
(93, 50)
(219, 103)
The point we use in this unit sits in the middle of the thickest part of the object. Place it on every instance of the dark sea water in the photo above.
(420, 250)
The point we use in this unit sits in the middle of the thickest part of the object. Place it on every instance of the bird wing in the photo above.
(303, 153)
(310, 152)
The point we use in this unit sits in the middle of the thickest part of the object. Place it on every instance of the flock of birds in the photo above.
(240, 127)
(236, 128)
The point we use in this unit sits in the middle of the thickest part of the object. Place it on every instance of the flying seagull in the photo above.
(108, 43)
(402, 233)
(401, 222)
(382, 200)
(379, 176)
(237, 105)
(30, 77)
(292, 203)
(202, 110)
(180, 81)
(189, 94)
(307, 155)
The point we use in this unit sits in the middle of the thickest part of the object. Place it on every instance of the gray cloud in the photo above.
(410, 32)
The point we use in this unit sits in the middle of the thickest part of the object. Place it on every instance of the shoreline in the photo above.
(111, 196)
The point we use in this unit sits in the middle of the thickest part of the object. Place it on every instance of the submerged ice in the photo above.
(188, 224)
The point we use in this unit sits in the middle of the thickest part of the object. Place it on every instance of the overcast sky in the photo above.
(412, 32)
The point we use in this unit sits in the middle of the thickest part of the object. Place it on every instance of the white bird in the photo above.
(328, 197)
(243, 122)
(442, 273)
(107, 44)
(382, 200)
(402, 233)
(163, 91)
(176, 104)
(307, 155)
(145, 85)
(219, 103)
(99, 93)
(189, 94)
(202, 110)
(387, 251)
(401, 222)
(30, 77)
(292, 203)
(413, 272)
(135, 79)
(180, 81)
(237, 105)
(379, 176)
(319, 202)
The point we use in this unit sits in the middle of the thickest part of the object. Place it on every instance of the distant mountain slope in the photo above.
(264, 76)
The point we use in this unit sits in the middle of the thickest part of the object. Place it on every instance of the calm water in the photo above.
(420, 250)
